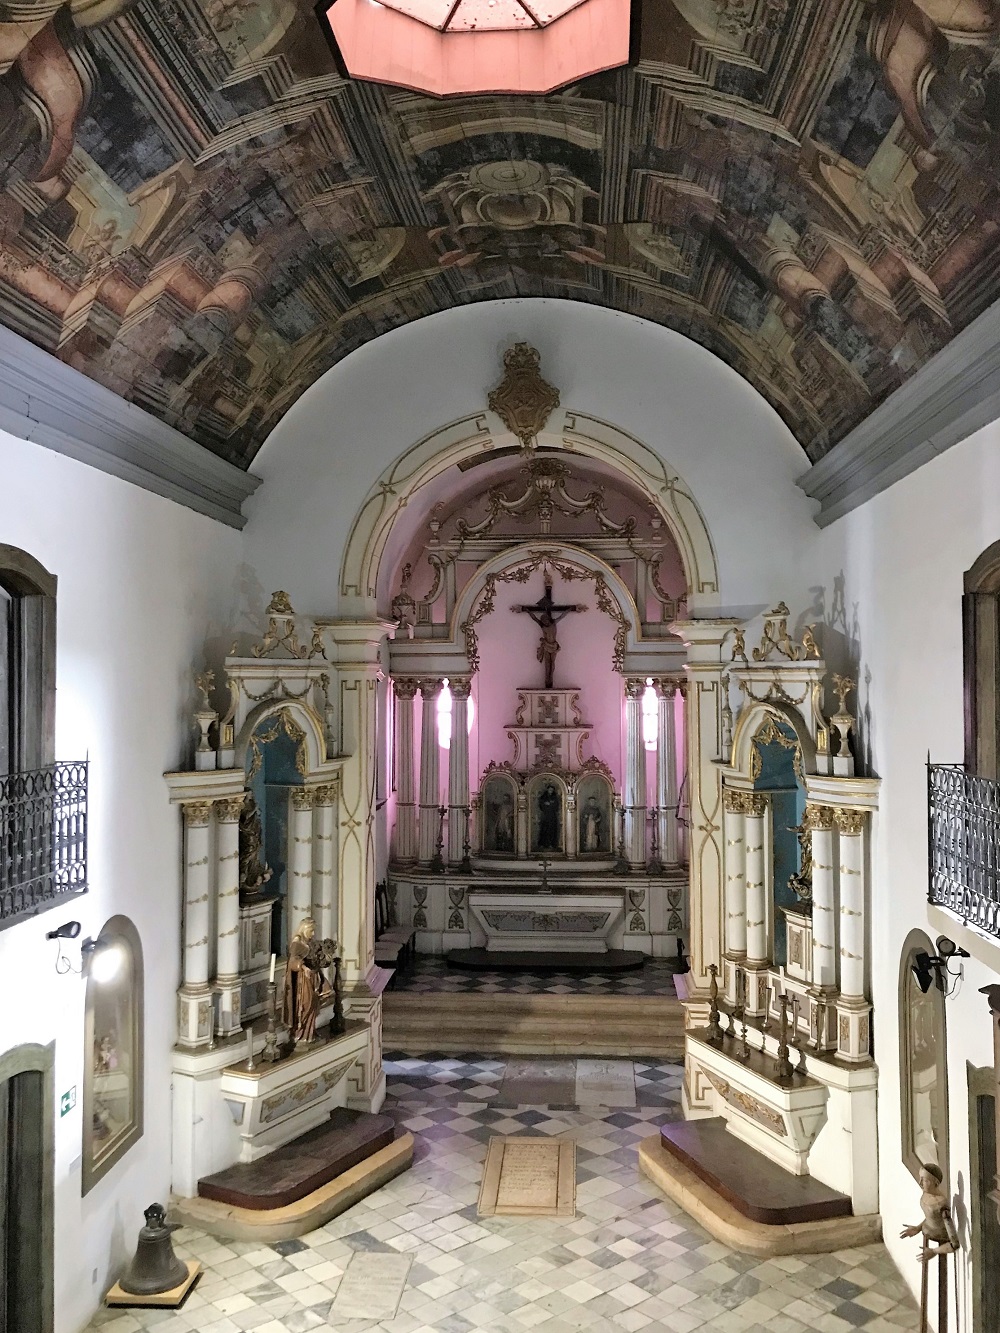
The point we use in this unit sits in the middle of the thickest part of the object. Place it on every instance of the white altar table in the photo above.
(548, 922)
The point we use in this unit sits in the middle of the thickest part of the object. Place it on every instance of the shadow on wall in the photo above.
(839, 640)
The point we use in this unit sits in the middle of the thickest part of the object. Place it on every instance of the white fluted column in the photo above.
(300, 868)
(458, 769)
(824, 898)
(850, 824)
(430, 770)
(324, 884)
(756, 810)
(405, 831)
(195, 1010)
(666, 772)
(635, 776)
(735, 903)
(227, 916)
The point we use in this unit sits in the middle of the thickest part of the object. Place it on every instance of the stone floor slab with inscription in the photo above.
(526, 1177)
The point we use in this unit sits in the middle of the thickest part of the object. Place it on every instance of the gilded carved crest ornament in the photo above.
(523, 400)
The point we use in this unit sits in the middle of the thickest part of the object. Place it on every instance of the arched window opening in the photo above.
(27, 662)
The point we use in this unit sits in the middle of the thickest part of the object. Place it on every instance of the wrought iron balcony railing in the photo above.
(963, 824)
(43, 839)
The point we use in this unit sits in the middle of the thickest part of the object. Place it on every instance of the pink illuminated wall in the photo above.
(507, 653)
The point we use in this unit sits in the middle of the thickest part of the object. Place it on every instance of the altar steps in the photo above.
(609, 1025)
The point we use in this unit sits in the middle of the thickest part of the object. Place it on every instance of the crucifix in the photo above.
(546, 615)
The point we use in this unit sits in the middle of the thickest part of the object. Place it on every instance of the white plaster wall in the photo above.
(902, 557)
(143, 583)
(729, 446)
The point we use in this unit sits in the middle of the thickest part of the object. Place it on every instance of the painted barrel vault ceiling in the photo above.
(199, 212)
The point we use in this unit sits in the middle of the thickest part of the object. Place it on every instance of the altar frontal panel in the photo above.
(529, 1177)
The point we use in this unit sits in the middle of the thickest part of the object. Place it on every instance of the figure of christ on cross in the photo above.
(546, 615)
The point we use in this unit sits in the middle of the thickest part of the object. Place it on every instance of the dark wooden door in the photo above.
(22, 1127)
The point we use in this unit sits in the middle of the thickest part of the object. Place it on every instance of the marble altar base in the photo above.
(549, 922)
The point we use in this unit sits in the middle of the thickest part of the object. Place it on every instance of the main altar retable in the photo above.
(548, 854)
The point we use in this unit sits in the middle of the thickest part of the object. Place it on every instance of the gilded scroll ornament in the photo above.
(280, 632)
(523, 400)
(750, 1106)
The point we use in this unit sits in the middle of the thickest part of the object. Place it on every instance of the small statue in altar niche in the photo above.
(546, 615)
(937, 1228)
(549, 819)
(592, 841)
(254, 874)
(503, 827)
(305, 985)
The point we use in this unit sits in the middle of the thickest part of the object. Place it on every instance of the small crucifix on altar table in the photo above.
(546, 615)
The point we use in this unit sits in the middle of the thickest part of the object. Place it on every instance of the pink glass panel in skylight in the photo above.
(547, 11)
(489, 16)
(435, 13)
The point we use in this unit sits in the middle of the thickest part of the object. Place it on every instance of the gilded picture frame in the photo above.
(113, 1050)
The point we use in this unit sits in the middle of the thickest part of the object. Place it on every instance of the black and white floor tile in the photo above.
(629, 1260)
(431, 975)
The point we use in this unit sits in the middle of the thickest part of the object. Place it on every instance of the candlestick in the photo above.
(271, 977)
(783, 1066)
(271, 1053)
(250, 1063)
(714, 1030)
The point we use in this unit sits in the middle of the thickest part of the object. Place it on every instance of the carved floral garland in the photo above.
(520, 573)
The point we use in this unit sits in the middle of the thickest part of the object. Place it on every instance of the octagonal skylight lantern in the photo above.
(463, 47)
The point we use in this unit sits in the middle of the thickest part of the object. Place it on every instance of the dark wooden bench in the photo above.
(395, 946)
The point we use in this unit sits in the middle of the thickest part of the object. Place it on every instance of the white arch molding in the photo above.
(569, 432)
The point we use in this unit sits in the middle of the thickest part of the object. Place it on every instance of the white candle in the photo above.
(271, 978)
(249, 1045)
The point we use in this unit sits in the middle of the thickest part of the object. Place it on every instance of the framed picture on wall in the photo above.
(113, 1055)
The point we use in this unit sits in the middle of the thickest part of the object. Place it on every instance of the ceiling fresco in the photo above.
(199, 212)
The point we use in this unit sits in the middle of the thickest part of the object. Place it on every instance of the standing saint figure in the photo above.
(939, 1240)
(549, 812)
(546, 615)
(504, 828)
(305, 985)
(592, 825)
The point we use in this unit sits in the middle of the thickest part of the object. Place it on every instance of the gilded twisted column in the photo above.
(430, 770)
(458, 768)
(300, 859)
(851, 825)
(819, 819)
(227, 914)
(405, 830)
(324, 884)
(735, 887)
(195, 1010)
(635, 776)
(666, 771)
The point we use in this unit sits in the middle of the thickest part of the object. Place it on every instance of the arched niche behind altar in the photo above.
(777, 764)
(546, 793)
(275, 760)
(594, 818)
(498, 811)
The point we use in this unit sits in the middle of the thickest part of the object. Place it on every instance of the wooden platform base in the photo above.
(721, 1220)
(306, 1214)
(302, 1166)
(162, 1300)
(528, 960)
(754, 1185)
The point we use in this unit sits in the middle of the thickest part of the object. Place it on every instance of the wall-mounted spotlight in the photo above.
(104, 955)
(928, 967)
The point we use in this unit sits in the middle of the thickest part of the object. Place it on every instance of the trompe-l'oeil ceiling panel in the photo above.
(198, 211)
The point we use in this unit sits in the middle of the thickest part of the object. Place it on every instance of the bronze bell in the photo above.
(155, 1267)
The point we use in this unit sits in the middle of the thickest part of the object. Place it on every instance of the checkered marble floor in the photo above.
(434, 976)
(630, 1259)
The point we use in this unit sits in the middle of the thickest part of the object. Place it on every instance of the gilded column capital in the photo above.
(850, 822)
(818, 817)
(461, 687)
(196, 813)
(405, 686)
(430, 689)
(229, 809)
(756, 804)
(735, 801)
(327, 794)
(634, 687)
(303, 797)
(666, 687)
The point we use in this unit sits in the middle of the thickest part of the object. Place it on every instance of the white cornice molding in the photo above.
(47, 402)
(955, 394)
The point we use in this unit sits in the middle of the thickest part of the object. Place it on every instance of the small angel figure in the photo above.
(937, 1228)
(203, 682)
(739, 645)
